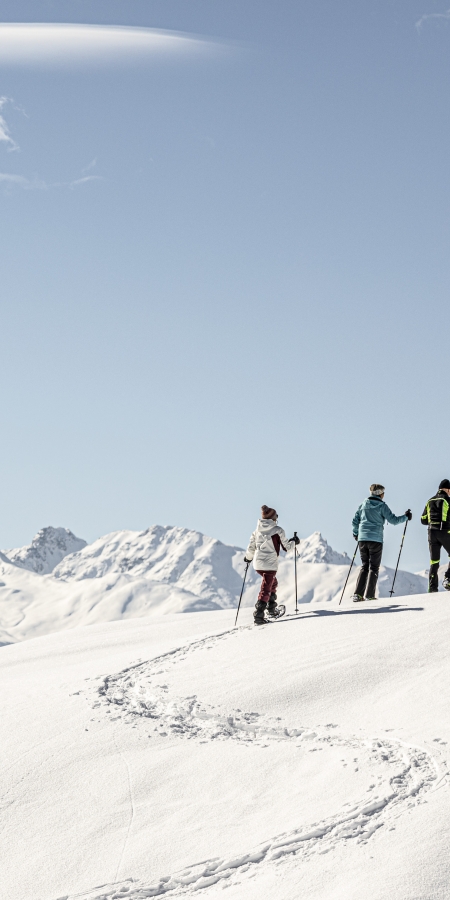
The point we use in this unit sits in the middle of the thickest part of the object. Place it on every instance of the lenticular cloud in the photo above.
(61, 44)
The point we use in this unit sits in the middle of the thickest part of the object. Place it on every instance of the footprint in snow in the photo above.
(413, 771)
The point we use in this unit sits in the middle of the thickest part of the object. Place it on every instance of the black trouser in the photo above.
(371, 559)
(436, 540)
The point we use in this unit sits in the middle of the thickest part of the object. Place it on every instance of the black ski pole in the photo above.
(295, 570)
(399, 555)
(242, 591)
(348, 576)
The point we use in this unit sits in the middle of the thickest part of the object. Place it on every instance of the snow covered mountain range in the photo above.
(59, 581)
(47, 549)
(315, 549)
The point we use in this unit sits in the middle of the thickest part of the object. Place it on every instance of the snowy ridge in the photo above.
(47, 549)
(201, 565)
(402, 773)
(161, 570)
(315, 549)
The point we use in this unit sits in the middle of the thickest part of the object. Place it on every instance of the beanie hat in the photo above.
(268, 513)
(376, 489)
(445, 483)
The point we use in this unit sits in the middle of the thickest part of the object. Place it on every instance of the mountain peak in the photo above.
(316, 549)
(48, 547)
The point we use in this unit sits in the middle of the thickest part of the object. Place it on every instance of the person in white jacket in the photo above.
(264, 549)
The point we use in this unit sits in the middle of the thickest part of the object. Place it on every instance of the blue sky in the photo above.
(225, 267)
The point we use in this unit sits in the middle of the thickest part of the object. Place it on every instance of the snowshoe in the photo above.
(277, 612)
(357, 598)
(446, 582)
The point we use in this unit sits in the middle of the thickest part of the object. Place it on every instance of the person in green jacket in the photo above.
(437, 516)
(368, 527)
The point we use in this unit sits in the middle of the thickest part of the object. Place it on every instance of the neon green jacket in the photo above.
(437, 512)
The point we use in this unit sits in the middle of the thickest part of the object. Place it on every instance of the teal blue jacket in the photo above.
(369, 519)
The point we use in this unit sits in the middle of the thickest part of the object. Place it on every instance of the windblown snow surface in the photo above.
(59, 582)
(181, 756)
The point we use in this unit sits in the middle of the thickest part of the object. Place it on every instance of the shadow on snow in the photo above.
(391, 608)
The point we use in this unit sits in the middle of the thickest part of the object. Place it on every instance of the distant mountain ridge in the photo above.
(48, 547)
(315, 549)
(162, 553)
(59, 581)
(168, 555)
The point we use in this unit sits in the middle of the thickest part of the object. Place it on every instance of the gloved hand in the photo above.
(408, 514)
(247, 560)
(355, 536)
(295, 539)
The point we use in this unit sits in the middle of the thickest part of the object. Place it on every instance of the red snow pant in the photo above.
(269, 585)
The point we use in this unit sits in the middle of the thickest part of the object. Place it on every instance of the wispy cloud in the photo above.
(36, 184)
(5, 134)
(13, 179)
(49, 44)
(442, 16)
(90, 165)
(82, 180)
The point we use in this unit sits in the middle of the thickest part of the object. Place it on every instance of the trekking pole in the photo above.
(399, 555)
(348, 576)
(295, 571)
(242, 591)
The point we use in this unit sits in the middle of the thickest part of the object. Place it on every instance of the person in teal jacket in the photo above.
(368, 528)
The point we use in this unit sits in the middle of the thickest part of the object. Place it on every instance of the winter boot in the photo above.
(272, 605)
(446, 581)
(371, 585)
(357, 598)
(260, 609)
(433, 578)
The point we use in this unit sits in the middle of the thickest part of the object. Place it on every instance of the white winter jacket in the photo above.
(262, 549)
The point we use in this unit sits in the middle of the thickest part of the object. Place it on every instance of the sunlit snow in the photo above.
(59, 581)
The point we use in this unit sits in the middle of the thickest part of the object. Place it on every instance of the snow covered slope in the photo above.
(125, 574)
(158, 571)
(47, 549)
(307, 759)
(198, 564)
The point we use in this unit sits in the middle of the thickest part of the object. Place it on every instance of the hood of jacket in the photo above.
(266, 527)
(372, 502)
(265, 543)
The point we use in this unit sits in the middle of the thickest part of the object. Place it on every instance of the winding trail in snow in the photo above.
(411, 772)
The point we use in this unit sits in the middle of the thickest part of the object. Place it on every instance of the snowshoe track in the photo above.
(138, 691)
